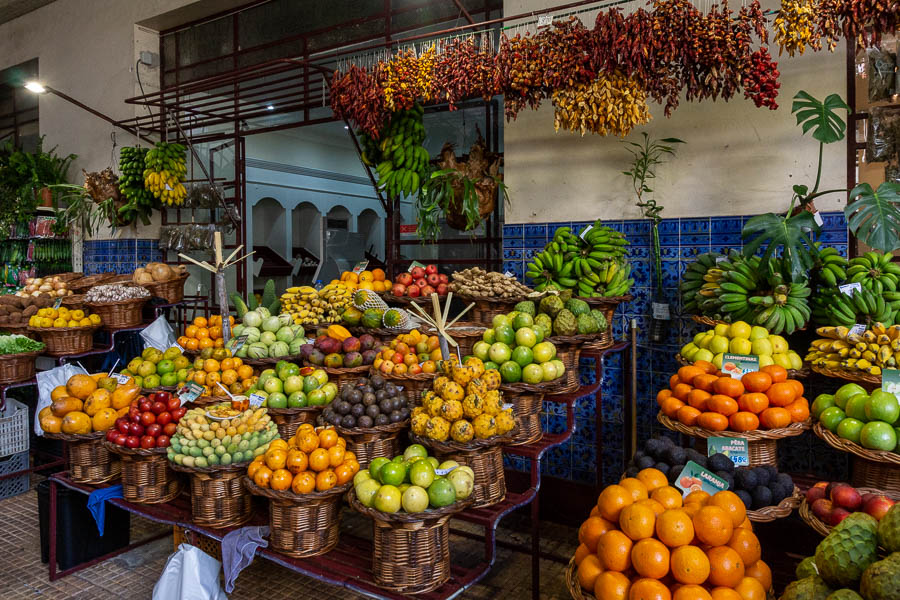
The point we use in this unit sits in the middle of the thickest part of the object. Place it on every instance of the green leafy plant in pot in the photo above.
(646, 156)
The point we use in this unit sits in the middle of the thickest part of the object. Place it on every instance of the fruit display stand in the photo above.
(413, 385)
(89, 461)
(781, 510)
(341, 376)
(762, 445)
(487, 307)
(66, 341)
(822, 528)
(16, 368)
(218, 498)
(289, 419)
(608, 306)
(122, 314)
(368, 443)
(465, 333)
(870, 468)
(171, 291)
(302, 525)
(146, 476)
(568, 350)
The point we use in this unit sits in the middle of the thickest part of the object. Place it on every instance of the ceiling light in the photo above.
(34, 86)
(270, 107)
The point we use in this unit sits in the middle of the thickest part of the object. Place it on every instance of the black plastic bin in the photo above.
(77, 539)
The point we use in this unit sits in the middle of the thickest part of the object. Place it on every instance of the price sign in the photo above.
(661, 311)
(586, 231)
(235, 344)
(738, 365)
(858, 329)
(693, 477)
(890, 381)
(415, 264)
(545, 20)
(818, 219)
(256, 400)
(121, 378)
(190, 392)
(720, 259)
(507, 405)
(848, 289)
(509, 274)
(734, 448)
(58, 303)
(360, 266)
(443, 472)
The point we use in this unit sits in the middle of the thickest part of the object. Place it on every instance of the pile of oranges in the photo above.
(375, 280)
(700, 395)
(204, 333)
(311, 461)
(231, 372)
(644, 541)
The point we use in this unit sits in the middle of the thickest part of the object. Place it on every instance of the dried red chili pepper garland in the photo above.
(357, 96)
(464, 69)
(867, 20)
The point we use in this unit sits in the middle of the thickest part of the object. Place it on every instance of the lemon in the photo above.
(765, 360)
(95, 319)
(703, 354)
(796, 361)
(761, 347)
(739, 330)
(718, 344)
(78, 315)
(740, 346)
(53, 314)
(699, 338)
(63, 312)
(781, 359)
(758, 333)
(722, 329)
(46, 322)
(59, 323)
(72, 323)
(717, 360)
(779, 344)
(84, 322)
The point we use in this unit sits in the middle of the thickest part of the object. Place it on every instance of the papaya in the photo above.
(58, 392)
(50, 423)
(63, 406)
(76, 422)
(98, 400)
(338, 332)
(104, 419)
(81, 386)
(123, 395)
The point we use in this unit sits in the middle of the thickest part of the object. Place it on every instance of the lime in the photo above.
(831, 417)
(534, 373)
(392, 473)
(523, 356)
(510, 372)
(480, 349)
(549, 370)
(375, 466)
(277, 400)
(360, 477)
(499, 352)
(544, 351)
(850, 428)
(489, 364)
(297, 400)
(414, 499)
(522, 320)
(821, 402)
(441, 493)
(505, 334)
(387, 499)
(856, 407)
(845, 392)
(488, 337)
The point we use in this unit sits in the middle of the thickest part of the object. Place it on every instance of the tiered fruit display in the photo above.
(307, 306)
(409, 354)
(87, 403)
(847, 565)
(700, 396)
(463, 404)
(412, 482)
(399, 158)
(220, 435)
(154, 368)
(475, 281)
(420, 281)
(164, 173)
(150, 422)
(736, 288)
(643, 540)
(217, 366)
(375, 280)
(268, 336)
(591, 264)
(291, 386)
(311, 461)
(832, 502)
(876, 348)
(63, 317)
(368, 402)
(204, 333)
(870, 420)
(517, 350)
(268, 301)
(741, 338)
(335, 348)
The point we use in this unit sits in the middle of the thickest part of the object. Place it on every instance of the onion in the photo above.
(45, 288)
(29, 281)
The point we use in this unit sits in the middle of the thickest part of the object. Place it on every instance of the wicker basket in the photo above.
(289, 419)
(146, 476)
(372, 442)
(608, 306)
(123, 314)
(781, 510)
(466, 334)
(486, 308)
(85, 283)
(854, 376)
(344, 375)
(411, 553)
(74, 302)
(62, 341)
(560, 385)
(17, 367)
(218, 498)
(19, 329)
(172, 291)
(573, 585)
(413, 385)
(871, 468)
(762, 445)
(302, 525)
(527, 408)
(89, 460)
(823, 529)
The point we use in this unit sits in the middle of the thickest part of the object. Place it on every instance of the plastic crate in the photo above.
(13, 486)
(14, 435)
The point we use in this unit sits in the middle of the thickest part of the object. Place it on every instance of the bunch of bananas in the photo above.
(831, 267)
(592, 263)
(860, 306)
(874, 272)
(165, 171)
(874, 349)
(308, 306)
(399, 158)
(131, 185)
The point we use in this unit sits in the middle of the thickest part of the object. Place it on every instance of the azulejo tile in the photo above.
(696, 225)
(513, 254)
(512, 231)
(668, 226)
(725, 224)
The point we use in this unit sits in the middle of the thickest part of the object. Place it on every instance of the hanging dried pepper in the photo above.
(521, 72)
(408, 78)
(357, 97)
(565, 49)
(828, 24)
(796, 27)
(610, 104)
(761, 80)
(464, 70)
(867, 20)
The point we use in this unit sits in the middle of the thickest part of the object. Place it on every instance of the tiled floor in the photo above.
(133, 574)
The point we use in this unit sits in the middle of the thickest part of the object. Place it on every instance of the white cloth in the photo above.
(46, 381)
(189, 574)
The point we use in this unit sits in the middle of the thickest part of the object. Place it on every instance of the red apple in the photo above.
(398, 290)
(814, 493)
(421, 282)
(147, 418)
(169, 429)
(846, 496)
(158, 407)
(831, 485)
(164, 418)
(442, 289)
(822, 509)
(433, 279)
(153, 429)
(162, 441)
(443, 278)
(162, 396)
(427, 291)
(122, 425)
(134, 414)
(111, 434)
(404, 278)
(144, 405)
(147, 442)
(413, 291)
(837, 515)
(431, 269)
(132, 441)
(120, 439)
(877, 505)
(172, 403)
(178, 413)
(417, 272)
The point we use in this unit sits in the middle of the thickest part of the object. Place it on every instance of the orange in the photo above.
(202, 333)
(211, 379)
(276, 459)
(746, 524)
(799, 410)
(690, 565)
(687, 373)
(215, 332)
(756, 381)
(754, 402)
(588, 571)
(697, 399)
(713, 421)
(697, 496)
(254, 466)
(229, 376)
(614, 550)
(595, 511)
(781, 394)
(263, 476)
(731, 503)
(636, 487)
(296, 461)
(681, 391)
(692, 508)
(192, 344)
(750, 589)
(228, 363)
(325, 480)
(327, 438)
(211, 365)
(713, 525)
(743, 421)
(673, 381)
(798, 387)
(705, 382)
(319, 461)
(304, 483)
(761, 572)
(352, 463)
(80, 386)
(728, 387)
(612, 500)
(205, 343)
(777, 373)
(688, 415)
(663, 395)
(580, 553)
(652, 478)
(724, 593)
(281, 479)
(335, 455)
(307, 441)
(637, 521)
(191, 331)
(722, 404)
(277, 444)
(650, 558)
(591, 530)
(691, 592)
(378, 274)
(746, 544)
(201, 322)
(675, 528)
(668, 496)
(671, 407)
(649, 589)
(245, 371)
(774, 418)
(708, 367)
(612, 585)
(655, 506)
(725, 567)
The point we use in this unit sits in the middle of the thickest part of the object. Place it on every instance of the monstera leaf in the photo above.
(827, 126)
(873, 216)
(788, 233)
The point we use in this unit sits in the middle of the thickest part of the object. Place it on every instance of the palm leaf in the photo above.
(819, 116)
(787, 233)
(873, 216)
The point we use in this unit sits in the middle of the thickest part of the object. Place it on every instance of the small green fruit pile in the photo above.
(870, 420)
(515, 346)
(203, 441)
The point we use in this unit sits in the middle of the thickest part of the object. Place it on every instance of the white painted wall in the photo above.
(738, 159)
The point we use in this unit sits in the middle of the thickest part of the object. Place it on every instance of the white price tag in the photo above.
(545, 20)
(848, 289)
(415, 264)
(858, 329)
(721, 259)
(507, 405)
(256, 400)
(443, 472)
(360, 266)
(818, 219)
(586, 231)
(189, 392)
(661, 311)
(121, 378)
(509, 274)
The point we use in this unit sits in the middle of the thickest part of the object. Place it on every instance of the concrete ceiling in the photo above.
(12, 9)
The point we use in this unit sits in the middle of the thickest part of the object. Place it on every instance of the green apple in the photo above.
(739, 330)
(740, 345)
(703, 354)
(689, 350)
(856, 407)
(845, 392)
(878, 435)
(882, 406)
(719, 344)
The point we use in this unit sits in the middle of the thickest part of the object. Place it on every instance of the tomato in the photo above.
(162, 441)
(147, 418)
(169, 429)
(172, 403)
(132, 441)
(147, 442)
(164, 418)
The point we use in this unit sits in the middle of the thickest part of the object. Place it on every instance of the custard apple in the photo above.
(564, 323)
(808, 588)
(551, 305)
(844, 594)
(881, 581)
(889, 530)
(806, 568)
(598, 315)
(848, 550)
(544, 323)
(586, 324)
(578, 307)
(526, 306)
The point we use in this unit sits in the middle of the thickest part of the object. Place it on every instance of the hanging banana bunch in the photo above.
(164, 175)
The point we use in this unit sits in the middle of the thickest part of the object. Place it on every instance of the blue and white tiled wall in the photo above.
(681, 240)
(119, 256)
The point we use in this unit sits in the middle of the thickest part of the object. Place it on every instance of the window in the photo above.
(19, 107)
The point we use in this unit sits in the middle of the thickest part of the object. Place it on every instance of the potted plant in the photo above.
(646, 157)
